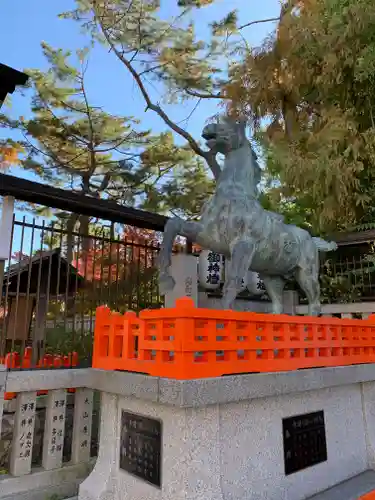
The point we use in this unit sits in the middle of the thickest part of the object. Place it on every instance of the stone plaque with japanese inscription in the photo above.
(23, 435)
(82, 427)
(140, 447)
(53, 442)
(304, 438)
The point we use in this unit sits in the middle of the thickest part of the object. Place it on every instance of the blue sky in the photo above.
(30, 22)
(26, 23)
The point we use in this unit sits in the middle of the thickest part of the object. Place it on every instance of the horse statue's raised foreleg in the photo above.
(242, 253)
(174, 227)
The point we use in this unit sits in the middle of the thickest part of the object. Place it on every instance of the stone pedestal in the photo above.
(223, 438)
(184, 269)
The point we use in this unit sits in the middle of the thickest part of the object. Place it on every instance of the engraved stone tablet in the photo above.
(304, 438)
(140, 447)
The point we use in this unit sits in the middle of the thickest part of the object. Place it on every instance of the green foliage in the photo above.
(74, 144)
(165, 50)
(226, 25)
(314, 82)
(184, 193)
(61, 340)
(194, 3)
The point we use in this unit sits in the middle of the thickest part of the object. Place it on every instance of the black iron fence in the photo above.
(57, 277)
(94, 252)
(348, 279)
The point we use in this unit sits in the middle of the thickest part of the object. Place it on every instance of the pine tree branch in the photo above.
(154, 68)
(86, 179)
(67, 130)
(208, 95)
(208, 156)
(186, 120)
(258, 21)
(49, 155)
(115, 146)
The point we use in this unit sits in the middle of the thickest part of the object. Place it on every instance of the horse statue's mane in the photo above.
(257, 169)
(240, 123)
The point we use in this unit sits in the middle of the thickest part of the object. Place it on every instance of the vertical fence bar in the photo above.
(102, 269)
(124, 270)
(58, 277)
(87, 244)
(69, 254)
(117, 306)
(47, 291)
(40, 309)
(109, 286)
(29, 301)
(131, 273)
(6, 283)
(138, 281)
(76, 275)
(13, 336)
(94, 303)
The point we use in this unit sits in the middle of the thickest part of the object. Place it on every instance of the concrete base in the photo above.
(222, 438)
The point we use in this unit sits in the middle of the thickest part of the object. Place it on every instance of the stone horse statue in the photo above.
(233, 223)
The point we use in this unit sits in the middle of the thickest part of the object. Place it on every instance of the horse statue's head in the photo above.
(228, 135)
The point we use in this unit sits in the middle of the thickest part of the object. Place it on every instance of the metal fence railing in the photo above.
(348, 279)
(57, 277)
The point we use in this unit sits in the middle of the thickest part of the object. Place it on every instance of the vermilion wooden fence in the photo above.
(188, 343)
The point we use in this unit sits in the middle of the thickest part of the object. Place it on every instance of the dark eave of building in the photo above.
(49, 196)
(9, 79)
(354, 238)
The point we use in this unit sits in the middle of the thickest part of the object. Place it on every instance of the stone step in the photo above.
(352, 489)
(41, 494)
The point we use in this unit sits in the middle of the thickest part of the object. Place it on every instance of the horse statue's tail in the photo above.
(325, 246)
